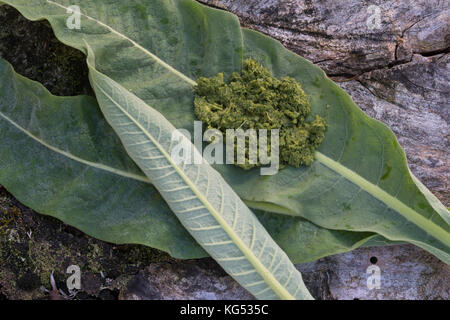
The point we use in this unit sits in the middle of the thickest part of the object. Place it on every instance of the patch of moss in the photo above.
(255, 99)
(94, 258)
(7, 216)
(141, 255)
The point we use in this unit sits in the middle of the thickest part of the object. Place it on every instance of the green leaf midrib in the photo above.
(390, 201)
(74, 157)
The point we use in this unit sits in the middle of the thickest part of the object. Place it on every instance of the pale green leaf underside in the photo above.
(204, 203)
(194, 40)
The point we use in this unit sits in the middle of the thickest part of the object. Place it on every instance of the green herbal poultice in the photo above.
(255, 99)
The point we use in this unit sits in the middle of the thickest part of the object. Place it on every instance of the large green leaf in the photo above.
(59, 156)
(155, 49)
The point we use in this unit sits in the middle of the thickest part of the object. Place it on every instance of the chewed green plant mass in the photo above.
(255, 99)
